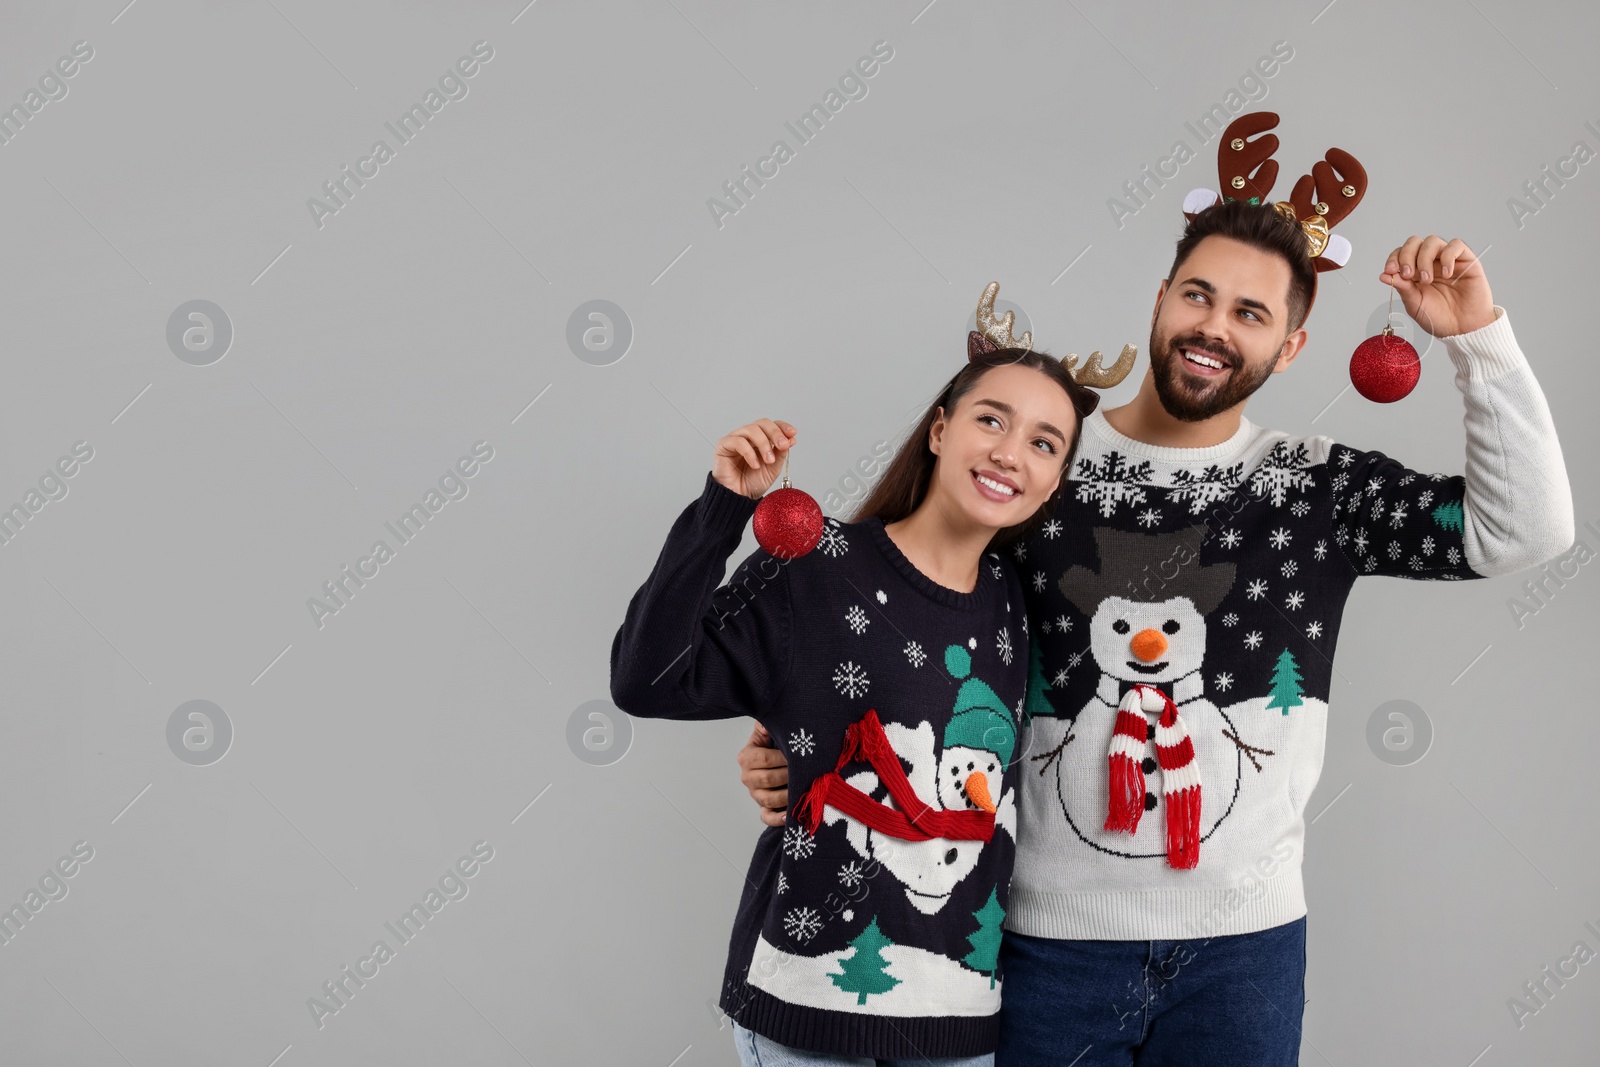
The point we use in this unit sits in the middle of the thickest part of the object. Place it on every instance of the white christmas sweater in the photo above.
(1218, 576)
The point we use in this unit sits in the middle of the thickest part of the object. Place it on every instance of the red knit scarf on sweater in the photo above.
(1180, 775)
(912, 820)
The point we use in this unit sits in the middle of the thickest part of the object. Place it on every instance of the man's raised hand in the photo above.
(1442, 285)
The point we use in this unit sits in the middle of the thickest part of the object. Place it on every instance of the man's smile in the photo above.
(1204, 363)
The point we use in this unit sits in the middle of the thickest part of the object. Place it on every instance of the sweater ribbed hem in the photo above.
(1167, 914)
(1487, 353)
(884, 1037)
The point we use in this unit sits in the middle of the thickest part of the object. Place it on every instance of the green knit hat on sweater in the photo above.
(981, 720)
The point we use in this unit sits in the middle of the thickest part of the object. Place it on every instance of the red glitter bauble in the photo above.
(787, 522)
(1384, 367)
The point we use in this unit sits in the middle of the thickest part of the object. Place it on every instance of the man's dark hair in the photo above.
(1259, 226)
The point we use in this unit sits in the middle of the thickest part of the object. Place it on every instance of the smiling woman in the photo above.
(954, 445)
(892, 665)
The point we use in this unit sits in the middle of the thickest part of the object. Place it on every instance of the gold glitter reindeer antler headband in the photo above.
(995, 333)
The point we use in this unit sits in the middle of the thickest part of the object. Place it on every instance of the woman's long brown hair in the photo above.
(905, 482)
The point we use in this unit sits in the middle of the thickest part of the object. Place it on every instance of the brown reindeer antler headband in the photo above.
(1246, 171)
(995, 333)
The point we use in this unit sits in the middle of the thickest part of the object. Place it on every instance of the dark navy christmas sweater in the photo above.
(870, 924)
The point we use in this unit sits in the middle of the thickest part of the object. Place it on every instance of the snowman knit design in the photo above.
(1204, 586)
(870, 923)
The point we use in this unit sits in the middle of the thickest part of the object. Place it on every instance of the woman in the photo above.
(890, 663)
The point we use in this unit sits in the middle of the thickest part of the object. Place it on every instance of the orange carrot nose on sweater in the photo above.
(1148, 645)
(978, 792)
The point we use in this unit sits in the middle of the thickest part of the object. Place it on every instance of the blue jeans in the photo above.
(757, 1051)
(1233, 1000)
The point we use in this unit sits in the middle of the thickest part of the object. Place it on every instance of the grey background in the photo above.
(429, 313)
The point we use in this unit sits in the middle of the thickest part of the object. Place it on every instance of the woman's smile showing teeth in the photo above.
(1203, 362)
(995, 486)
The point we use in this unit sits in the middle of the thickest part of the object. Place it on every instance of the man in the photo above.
(1183, 611)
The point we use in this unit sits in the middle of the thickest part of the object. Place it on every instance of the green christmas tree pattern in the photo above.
(1286, 691)
(1448, 515)
(985, 940)
(866, 971)
(1036, 703)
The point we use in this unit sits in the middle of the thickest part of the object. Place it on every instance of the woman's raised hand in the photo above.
(749, 459)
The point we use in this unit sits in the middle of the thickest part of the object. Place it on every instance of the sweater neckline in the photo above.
(1098, 424)
(942, 594)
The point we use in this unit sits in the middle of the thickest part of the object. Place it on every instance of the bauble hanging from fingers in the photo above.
(1385, 367)
(788, 521)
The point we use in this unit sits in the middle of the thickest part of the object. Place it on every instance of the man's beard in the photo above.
(1191, 399)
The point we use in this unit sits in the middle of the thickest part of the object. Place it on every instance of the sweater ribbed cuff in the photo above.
(1487, 353)
(722, 509)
